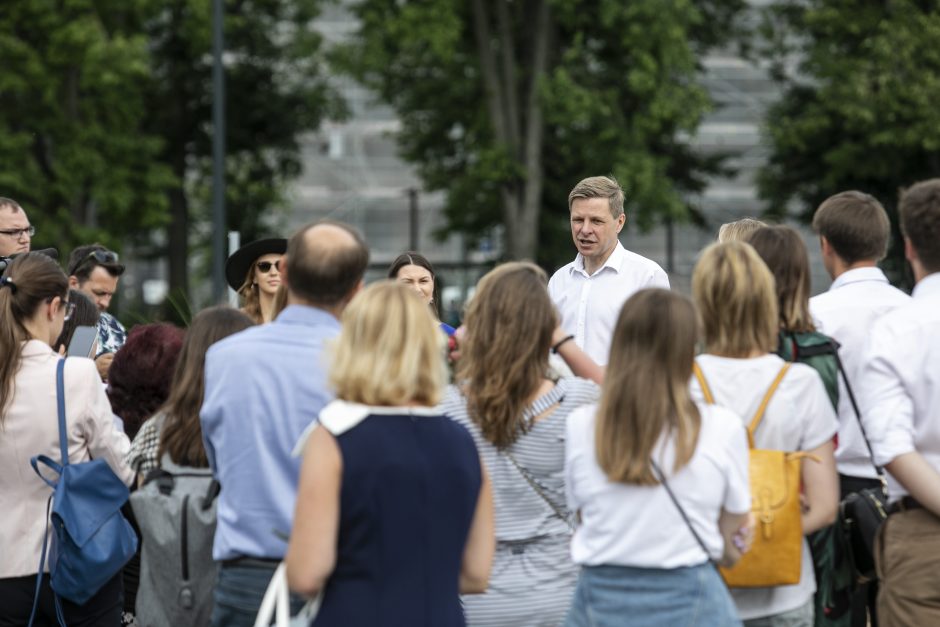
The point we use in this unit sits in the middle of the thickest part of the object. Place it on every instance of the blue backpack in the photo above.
(92, 540)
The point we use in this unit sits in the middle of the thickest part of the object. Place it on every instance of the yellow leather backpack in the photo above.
(776, 553)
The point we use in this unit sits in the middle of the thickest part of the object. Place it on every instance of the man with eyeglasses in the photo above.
(15, 230)
(95, 270)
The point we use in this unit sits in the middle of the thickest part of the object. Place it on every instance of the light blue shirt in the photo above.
(264, 386)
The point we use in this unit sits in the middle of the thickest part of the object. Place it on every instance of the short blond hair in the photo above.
(735, 295)
(390, 351)
(738, 230)
(599, 187)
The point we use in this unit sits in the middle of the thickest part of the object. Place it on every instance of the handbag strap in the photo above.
(706, 391)
(662, 479)
(858, 414)
(538, 489)
(759, 415)
(60, 404)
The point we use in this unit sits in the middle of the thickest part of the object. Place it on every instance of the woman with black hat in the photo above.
(253, 271)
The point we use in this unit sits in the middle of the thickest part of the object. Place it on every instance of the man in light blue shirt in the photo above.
(264, 386)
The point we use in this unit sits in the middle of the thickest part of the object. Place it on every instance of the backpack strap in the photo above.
(60, 402)
(759, 415)
(700, 376)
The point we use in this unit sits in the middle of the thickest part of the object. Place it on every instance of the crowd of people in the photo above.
(587, 449)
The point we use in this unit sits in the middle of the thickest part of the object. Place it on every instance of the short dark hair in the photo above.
(327, 276)
(920, 221)
(86, 314)
(855, 225)
(82, 262)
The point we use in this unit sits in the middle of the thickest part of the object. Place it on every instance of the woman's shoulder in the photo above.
(579, 391)
(720, 422)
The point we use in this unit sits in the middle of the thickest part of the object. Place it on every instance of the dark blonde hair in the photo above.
(28, 281)
(390, 351)
(599, 187)
(739, 229)
(646, 388)
(734, 293)
(251, 305)
(504, 357)
(784, 252)
(181, 435)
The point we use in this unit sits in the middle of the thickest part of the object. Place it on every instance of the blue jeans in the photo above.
(611, 596)
(239, 591)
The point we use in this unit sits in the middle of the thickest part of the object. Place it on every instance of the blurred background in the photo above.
(452, 127)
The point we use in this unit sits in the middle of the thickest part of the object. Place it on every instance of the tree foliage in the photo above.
(860, 112)
(505, 104)
(72, 104)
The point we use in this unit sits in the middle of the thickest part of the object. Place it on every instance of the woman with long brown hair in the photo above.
(516, 414)
(659, 481)
(33, 308)
(175, 428)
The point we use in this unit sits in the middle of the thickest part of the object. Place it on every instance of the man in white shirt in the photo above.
(853, 230)
(900, 394)
(590, 290)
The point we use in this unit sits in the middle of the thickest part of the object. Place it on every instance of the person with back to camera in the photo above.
(394, 510)
(516, 413)
(415, 271)
(33, 309)
(854, 231)
(254, 271)
(734, 292)
(646, 437)
(85, 315)
(784, 252)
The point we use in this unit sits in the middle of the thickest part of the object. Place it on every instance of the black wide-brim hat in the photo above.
(239, 262)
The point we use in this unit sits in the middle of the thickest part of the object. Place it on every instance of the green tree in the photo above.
(71, 107)
(275, 90)
(505, 104)
(860, 111)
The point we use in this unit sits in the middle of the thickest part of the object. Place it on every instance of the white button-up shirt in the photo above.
(590, 304)
(900, 388)
(856, 299)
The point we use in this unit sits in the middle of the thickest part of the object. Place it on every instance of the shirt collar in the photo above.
(614, 261)
(927, 287)
(858, 275)
(306, 315)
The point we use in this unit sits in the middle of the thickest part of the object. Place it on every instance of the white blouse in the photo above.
(640, 526)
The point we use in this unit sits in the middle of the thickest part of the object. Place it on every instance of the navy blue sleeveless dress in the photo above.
(410, 486)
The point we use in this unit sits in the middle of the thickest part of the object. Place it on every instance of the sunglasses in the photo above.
(265, 266)
(69, 311)
(100, 256)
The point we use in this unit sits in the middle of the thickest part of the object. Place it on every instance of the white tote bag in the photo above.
(276, 604)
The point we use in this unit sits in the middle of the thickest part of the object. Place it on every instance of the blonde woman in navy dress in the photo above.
(394, 512)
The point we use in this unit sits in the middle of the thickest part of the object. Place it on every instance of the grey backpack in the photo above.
(175, 510)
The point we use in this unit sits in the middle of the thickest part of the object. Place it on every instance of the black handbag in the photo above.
(861, 514)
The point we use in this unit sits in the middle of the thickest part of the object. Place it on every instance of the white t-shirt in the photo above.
(590, 304)
(846, 313)
(799, 417)
(631, 525)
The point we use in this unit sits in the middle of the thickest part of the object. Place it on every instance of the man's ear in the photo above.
(621, 220)
(282, 271)
(73, 282)
(910, 253)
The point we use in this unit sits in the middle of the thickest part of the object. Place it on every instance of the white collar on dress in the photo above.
(340, 416)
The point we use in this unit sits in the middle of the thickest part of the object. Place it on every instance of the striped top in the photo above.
(521, 513)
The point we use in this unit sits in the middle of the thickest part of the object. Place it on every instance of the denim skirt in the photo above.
(608, 596)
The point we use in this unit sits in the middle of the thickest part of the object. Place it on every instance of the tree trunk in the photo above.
(178, 244)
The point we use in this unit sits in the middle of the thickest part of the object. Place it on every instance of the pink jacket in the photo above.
(30, 427)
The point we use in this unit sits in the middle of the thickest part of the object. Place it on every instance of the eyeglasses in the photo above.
(265, 266)
(18, 233)
(69, 311)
